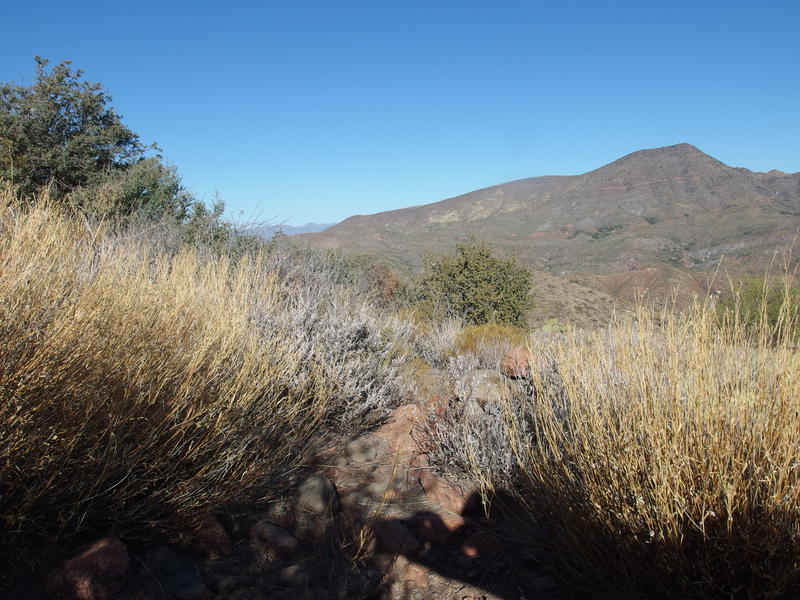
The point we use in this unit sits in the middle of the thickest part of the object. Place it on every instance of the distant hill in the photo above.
(269, 231)
(648, 219)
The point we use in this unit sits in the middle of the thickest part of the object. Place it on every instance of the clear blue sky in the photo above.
(314, 111)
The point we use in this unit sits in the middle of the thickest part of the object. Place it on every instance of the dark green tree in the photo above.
(478, 286)
(62, 131)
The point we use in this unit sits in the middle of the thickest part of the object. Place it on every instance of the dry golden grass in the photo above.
(663, 458)
(477, 338)
(135, 391)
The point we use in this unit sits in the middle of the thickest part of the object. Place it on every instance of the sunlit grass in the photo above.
(135, 391)
(662, 455)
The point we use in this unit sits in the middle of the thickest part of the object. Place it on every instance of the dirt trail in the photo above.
(432, 536)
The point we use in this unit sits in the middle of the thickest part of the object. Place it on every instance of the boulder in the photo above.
(276, 541)
(318, 494)
(99, 573)
(516, 363)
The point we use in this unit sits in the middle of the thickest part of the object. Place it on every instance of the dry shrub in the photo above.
(351, 344)
(135, 392)
(664, 458)
(357, 354)
(434, 340)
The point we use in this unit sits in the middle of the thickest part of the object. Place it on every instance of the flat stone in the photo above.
(318, 494)
(363, 449)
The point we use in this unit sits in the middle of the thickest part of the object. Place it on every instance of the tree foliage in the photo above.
(478, 286)
(62, 131)
(147, 187)
(62, 134)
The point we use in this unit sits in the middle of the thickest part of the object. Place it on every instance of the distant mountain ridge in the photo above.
(669, 207)
(270, 231)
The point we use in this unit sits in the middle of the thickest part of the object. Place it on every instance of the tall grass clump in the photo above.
(138, 388)
(661, 454)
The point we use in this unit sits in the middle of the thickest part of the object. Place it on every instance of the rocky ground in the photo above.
(371, 520)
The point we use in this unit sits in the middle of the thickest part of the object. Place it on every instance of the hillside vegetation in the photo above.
(159, 368)
(647, 221)
(660, 453)
(145, 382)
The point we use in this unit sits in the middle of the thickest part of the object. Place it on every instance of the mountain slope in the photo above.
(660, 208)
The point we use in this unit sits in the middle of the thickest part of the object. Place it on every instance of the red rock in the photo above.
(211, 541)
(276, 541)
(393, 536)
(99, 573)
(436, 406)
(398, 431)
(448, 497)
(483, 543)
(516, 363)
(415, 576)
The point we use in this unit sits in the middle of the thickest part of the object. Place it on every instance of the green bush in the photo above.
(478, 286)
(768, 306)
(147, 187)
